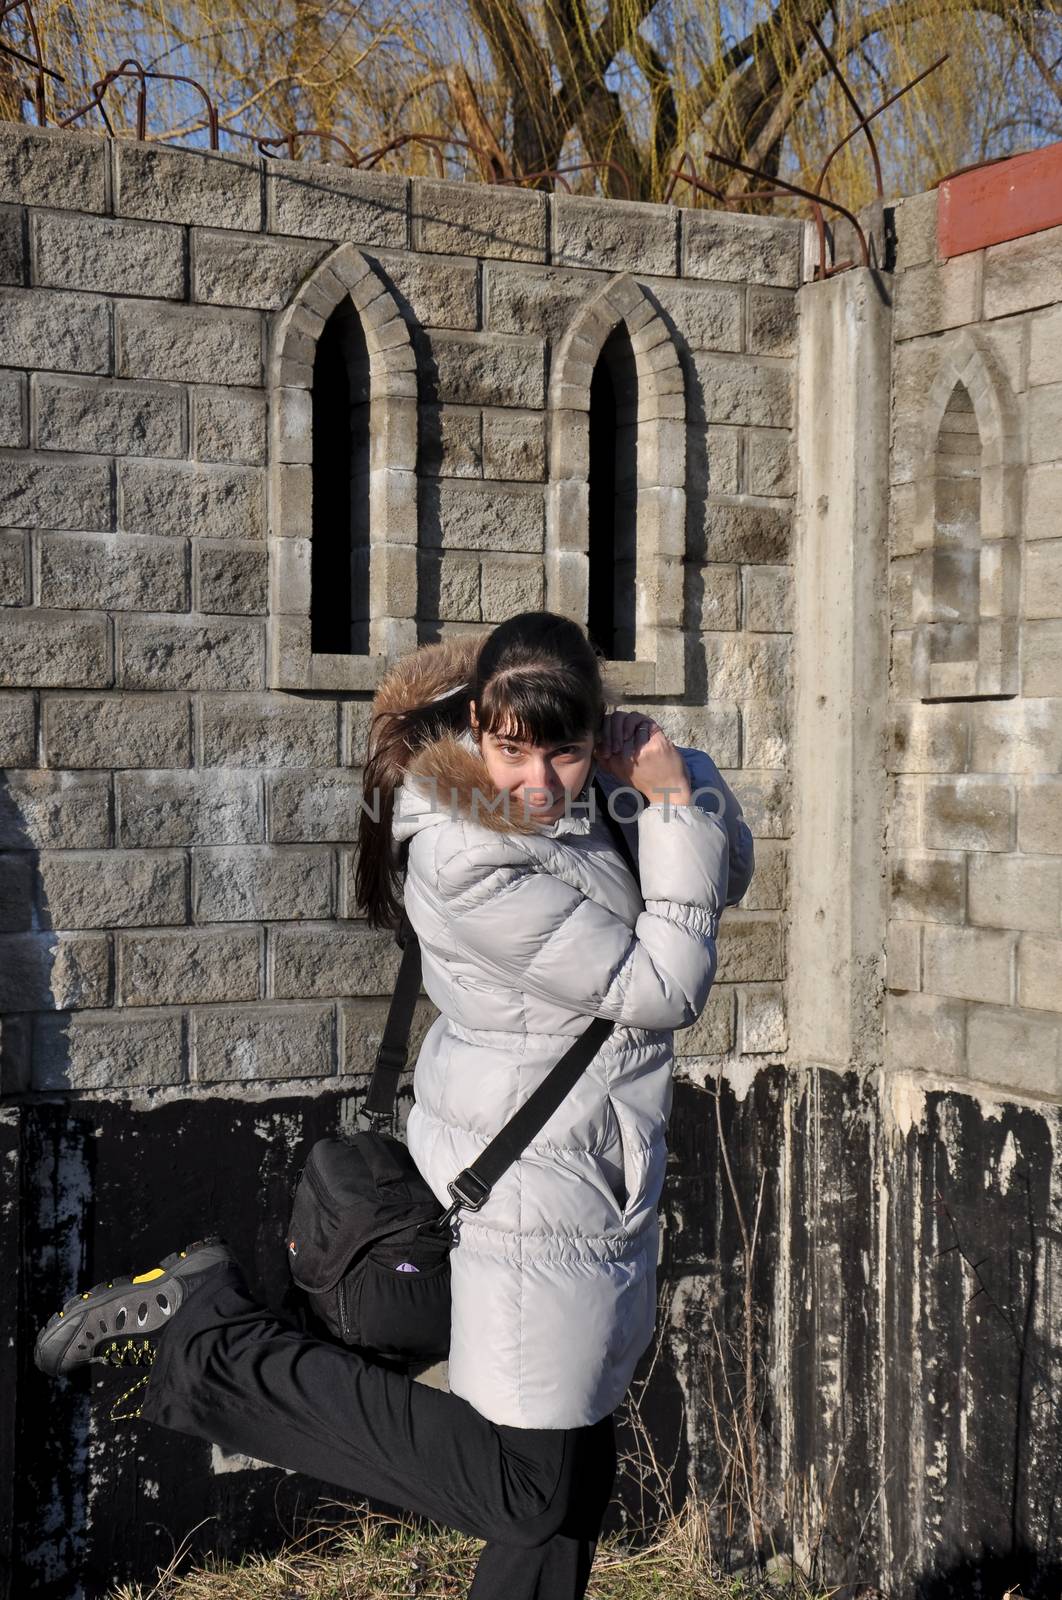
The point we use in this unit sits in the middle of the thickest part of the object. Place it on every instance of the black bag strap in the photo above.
(472, 1187)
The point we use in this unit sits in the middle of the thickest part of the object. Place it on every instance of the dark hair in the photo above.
(536, 677)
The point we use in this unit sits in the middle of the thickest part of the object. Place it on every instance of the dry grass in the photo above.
(371, 1557)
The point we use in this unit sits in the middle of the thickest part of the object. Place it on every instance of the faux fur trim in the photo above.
(457, 772)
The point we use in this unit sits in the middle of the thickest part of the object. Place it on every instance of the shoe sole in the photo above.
(93, 1300)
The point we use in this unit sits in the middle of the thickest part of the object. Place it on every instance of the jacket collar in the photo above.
(445, 776)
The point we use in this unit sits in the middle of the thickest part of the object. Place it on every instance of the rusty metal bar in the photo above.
(864, 121)
(884, 106)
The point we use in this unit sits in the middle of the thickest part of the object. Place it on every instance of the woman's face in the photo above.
(538, 776)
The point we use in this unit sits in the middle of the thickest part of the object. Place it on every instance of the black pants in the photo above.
(229, 1371)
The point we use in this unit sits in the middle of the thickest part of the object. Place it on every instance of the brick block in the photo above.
(771, 324)
(739, 531)
(42, 649)
(262, 884)
(514, 446)
(52, 331)
(616, 235)
(111, 572)
(769, 599)
(107, 418)
(715, 597)
(768, 890)
(451, 442)
(105, 1050)
(361, 1033)
(170, 185)
(749, 947)
(54, 971)
(113, 888)
(767, 728)
(18, 892)
(927, 888)
(1040, 972)
(757, 394)
(522, 300)
(249, 270)
(1040, 815)
(1043, 503)
(308, 807)
(449, 586)
(12, 246)
(1016, 892)
(968, 814)
(468, 516)
(510, 584)
(764, 799)
(968, 963)
(713, 463)
(316, 963)
(770, 463)
(218, 502)
(915, 222)
(705, 317)
(232, 579)
(745, 666)
(55, 810)
(263, 1042)
(229, 424)
(188, 653)
(15, 585)
(108, 257)
(928, 738)
(471, 220)
(55, 491)
(53, 167)
(189, 966)
(713, 1032)
(903, 956)
(116, 731)
(931, 298)
(925, 1033)
(736, 249)
(354, 732)
(1045, 425)
(13, 409)
(1001, 742)
(1014, 1048)
(1041, 658)
(187, 344)
(1045, 347)
(18, 730)
(761, 1019)
(316, 200)
(268, 730)
(1043, 578)
(1024, 273)
(480, 371)
(438, 294)
(182, 808)
(714, 728)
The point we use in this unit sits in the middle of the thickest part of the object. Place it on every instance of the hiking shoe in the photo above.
(119, 1322)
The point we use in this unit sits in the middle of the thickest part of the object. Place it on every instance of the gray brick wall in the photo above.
(175, 839)
(974, 951)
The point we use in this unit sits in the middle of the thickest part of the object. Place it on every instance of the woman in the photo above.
(529, 922)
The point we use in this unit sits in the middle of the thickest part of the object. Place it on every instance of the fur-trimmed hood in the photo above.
(447, 777)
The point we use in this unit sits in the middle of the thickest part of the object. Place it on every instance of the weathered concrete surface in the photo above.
(841, 666)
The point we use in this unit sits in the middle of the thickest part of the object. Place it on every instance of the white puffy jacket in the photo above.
(526, 932)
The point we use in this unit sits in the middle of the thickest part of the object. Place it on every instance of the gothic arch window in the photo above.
(967, 572)
(616, 518)
(343, 517)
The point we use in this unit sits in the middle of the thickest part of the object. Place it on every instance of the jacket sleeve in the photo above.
(713, 794)
(716, 794)
(541, 934)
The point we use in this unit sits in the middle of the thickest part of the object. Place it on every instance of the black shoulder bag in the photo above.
(368, 1242)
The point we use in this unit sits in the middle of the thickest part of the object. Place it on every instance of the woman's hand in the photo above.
(634, 749)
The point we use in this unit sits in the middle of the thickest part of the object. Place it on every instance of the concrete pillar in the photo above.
(841, 672)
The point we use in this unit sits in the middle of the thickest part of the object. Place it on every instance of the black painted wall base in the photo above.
(906, 1330)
